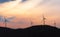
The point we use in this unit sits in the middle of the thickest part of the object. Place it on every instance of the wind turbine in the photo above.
(44, 20)
(54, 23)
(7, 20)
(31, 23)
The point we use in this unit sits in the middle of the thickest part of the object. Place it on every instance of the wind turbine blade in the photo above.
(10, 19)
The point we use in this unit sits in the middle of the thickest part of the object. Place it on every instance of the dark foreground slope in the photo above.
(34, 31)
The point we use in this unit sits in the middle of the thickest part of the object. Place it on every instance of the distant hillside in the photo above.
(34, 31)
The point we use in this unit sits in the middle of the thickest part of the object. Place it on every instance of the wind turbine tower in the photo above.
(5, 21)
(55, 23)
(31, 23)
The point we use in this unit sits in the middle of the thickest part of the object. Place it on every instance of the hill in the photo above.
(34, 31)
(44, 31)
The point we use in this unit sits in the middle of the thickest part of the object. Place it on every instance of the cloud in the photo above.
(3, 1)
(50, 2)
(11, 18)
(16, 6)
(21, 22)
(24, 0)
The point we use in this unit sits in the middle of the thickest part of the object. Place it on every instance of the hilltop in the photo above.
(34, 31)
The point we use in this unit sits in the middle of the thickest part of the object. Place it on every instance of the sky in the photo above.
(20, 13)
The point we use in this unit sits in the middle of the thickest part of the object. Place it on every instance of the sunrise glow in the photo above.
(31, 9)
